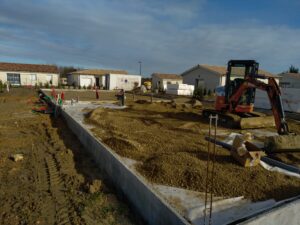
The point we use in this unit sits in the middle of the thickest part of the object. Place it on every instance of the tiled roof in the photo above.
(221, 70)
(291, 75)
(167, 76)
(98, 72)
(20, 67)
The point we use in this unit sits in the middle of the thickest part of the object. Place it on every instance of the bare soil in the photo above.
(292, 158)
(56, 182)
(168, 141)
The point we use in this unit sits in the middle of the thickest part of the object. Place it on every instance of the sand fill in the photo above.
(170, 144)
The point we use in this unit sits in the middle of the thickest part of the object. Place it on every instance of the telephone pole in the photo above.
(140, 62)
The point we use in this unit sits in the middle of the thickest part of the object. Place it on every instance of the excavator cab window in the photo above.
(237, 72)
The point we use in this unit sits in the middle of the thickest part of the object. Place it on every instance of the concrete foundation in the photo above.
(152, 204)
(145, 201)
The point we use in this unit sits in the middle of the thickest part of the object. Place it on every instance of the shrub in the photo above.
(198, 93)
(84, 87)
(209, 92)
(204, 92)
(47, 85)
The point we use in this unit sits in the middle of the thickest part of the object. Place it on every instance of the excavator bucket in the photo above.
(257, 122)
(283, 143)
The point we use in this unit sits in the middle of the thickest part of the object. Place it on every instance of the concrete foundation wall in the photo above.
(286, 214)
(141, 196)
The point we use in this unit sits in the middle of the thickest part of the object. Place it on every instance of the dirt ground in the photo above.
(56, 182)
(290, 158)
(168, 141)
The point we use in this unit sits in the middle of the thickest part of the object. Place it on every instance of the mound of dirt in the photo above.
(171, 146)
(47, 186)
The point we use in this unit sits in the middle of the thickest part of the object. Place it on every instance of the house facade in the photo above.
(18, 74)
(210, 77)
(160, 80)
(106, 79)
(290, 80)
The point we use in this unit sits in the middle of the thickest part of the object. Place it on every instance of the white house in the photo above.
(209, 77)
(28, 74)
(106, 79)
(290, 80)
(160, 80)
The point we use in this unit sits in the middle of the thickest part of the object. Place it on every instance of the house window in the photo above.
(14, 78)
(33, 77)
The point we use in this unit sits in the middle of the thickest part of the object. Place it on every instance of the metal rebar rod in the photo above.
(207, 170)
(213, 168)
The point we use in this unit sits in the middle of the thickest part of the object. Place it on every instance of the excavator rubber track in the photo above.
(241, 121)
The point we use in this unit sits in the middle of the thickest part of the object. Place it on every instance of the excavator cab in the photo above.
(237, 72)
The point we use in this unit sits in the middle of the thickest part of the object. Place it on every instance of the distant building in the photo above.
(209, 77)
(160, 80)
(63, 81)
(290, 80)
(18, 74)
(106, 79)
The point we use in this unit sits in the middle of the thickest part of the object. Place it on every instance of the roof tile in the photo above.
(21, 67)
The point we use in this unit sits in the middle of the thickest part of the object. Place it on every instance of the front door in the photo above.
(199, 83)
(97, 82)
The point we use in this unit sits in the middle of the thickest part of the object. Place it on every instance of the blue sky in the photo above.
(167, 36)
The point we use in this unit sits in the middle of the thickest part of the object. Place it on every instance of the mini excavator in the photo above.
(235, 104)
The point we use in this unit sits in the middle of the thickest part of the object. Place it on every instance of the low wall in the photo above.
(153, 209)
(285, 214)
(290, 99)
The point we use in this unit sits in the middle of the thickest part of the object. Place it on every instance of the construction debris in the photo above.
(246, 153)
(17, 157)
(282, 143)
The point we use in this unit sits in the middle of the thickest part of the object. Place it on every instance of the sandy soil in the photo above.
(56, 182)
(294, 157)
(168, 141)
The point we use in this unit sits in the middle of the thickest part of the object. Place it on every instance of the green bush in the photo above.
(209, 92)
(84, 87)
(47, 85)
(204, 92)
(198, 93)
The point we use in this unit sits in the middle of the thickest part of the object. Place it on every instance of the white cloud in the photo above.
(105, 34)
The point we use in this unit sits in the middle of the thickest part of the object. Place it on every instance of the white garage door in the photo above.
(86, 82)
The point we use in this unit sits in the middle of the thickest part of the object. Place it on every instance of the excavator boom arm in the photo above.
(274, 95)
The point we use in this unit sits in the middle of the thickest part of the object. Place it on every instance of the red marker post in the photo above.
(97, 93)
